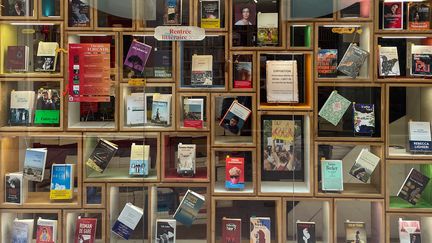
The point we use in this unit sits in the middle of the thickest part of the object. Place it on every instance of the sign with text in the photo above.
(179, 33)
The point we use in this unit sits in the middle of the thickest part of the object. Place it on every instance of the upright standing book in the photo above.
(364, 165)
(161, 110)
(235, 118)
(21, 107)
(334, 108)
(419, 136)
(413, 186)
(165, 231)
(388, 61)
(268, 29)
(419, 15)
(127, 221)
(327, 63)
(17, 58)
(306, 232)
(79, 13)
(260, 228)
(242, 75)
(137, 56)
(234, 173)
(102, 155)
(231, 230)
(331, 175)
(210, 14)
(189, 207)
(393, 15)
(355, 232)
(352, 60)
(364, 119)
(409, 231)
(135, 109)
(282, 82)
(202, 70)
(34, 164)
(172, 12)
(193, 112)
(139, 160)
(14, 188)
(46, 231)
(421, 60)
(46, 60)
(85, 230)
(62, 178)
(186, 154)
(22, 231)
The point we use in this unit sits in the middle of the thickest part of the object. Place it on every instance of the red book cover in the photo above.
(231, 230)
(234, 173)
(16, 58)
(89, 72)
(393, 15)
(85, 231)
(44, 234)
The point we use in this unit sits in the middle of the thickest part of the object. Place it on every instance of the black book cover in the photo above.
(353, 60)
(102, 155)
(13, 189)
(413, 186)
(306, 232)
(165, 231)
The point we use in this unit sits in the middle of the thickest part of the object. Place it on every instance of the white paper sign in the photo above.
(179, 33)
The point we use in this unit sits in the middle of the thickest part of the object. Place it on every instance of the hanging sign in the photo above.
(179, 33)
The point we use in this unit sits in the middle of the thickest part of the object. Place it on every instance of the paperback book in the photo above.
(327, 63)
(135, 109)
(355, 232)
(17, 58)
(102, 155)
(189, 208)
(79, 13)
(282, 82)
(186, 154)
(193, 115)
(46, 231)
(235, 118)
(62, 178)
(268, 29)
(364, 119)
(234, 173)
(85, 230)
(421, 60)
(353, 60)
(210, 14)
(22, 231)
(419, 136)
(172, 12)
(413, 186)
(409, 231)
(34, 164)
(393, 15)
(21, 107)
(388, 61)
(161, 110)
(46, 59)
(306, 232)
(364, 165)
(137, 56)
(202, 70)
(14, 188)
(242, 75)
(47, 107)
(419, 16)
(260, 229)
(334, 108)
(331, 175)
(139, 160)
(165, 231)
(231, 230)
(127, 221)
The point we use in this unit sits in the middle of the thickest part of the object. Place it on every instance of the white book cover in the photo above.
(161, 109)
(364, 166)
(186, 154)
(389, 61)
(139, 160)
(46, 230)
(407, 230)
(419, 131)
(135, 108)
(193, 109)
(282, 81)
(22, 101)
(202, 70)
(34, 164)
(420, 55)
(22, 226)
(127, 220)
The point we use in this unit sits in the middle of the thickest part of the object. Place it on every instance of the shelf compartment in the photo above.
(392, 220)
(51, 9)
(70, 218)
(186, 117)
(150, 15)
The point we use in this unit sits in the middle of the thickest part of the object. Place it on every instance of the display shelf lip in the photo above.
(349, 139)
(378, 195)
(30, 129)
(416, 161)
(381, 31)
(284, 107)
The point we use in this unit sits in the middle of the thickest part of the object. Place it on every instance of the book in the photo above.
(364, 165)
(235, 117)
(14, 188)
(127, 221)
(413, 186)
(268, 29)
(137, 56)
(393, 15)
(244, 14)
(186, 155)
(282, 82)
(172, 12)
(135, 109)
(388, 61)
(352, 60)
(139, 160)
(231, 230)
(210, 14)
(409, 229)
(355, 232)
(331, 175)
(193, 112)
(190, 205)
(419, 136)
(260, 229)
(234, 173)
(334, 108)
(101, 155)
(22, 230)
(21, 107)
(327, 63)
(47, 107)
(363, 119)
(161, 110)
(419, 16)
(62, 178)
(79, 13)
(34, 164)
(421, 60)
(46, 231)
(17, 58)
(306, 232)
(242, 75)
(85, 230)
(165, 231)
(202, 70)
(46, 58)
(16, 8)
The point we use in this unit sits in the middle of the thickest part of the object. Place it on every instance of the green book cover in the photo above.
(334, 108)
(307, 36)
(426, 169)
(332, 175)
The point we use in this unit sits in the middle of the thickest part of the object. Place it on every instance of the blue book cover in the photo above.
(260, 229)
(332, 175)
(139, 160)
(127, 221)
(189, 208)
(61, 181)
(20, 232)
(34, 164)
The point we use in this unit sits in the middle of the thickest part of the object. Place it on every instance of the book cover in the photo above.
(16, 8)
(421, 60)
(242, 75)
(101, 155)
(364, 165)
(234, 173)
(85, 230)
(20, 232)
(231, 230)
(388, 61)
(172, 12)
(14, 188)
(127, 221)
(34, 164)
(62, 178)
(139, 160)
(21, 107)
(355, 232)
(186, 154)
(235, 117)
(419, 136)
(331, 175)
(364, 119)
(193, 115)
(282, 82)
(135, 109)
(268, 29)
(46, 59)
(79, 13)
(161, 110)
(137, 56)
(47, 107)
(327, 63)
(190, 205)
(245, 14)
(353, 60)
(202, 70)
(306, 232)
(210, 14)
(260, 230)
(413, 186)
(17, 58)
(334, 108)
(165, 231)
(409, 229)
(393, 15)
(419, 16)
(46, 231)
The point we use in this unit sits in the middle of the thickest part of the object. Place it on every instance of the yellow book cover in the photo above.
(61, 182)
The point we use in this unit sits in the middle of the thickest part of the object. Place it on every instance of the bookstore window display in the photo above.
(84, 224)
(18, 9)
(408, 226)
(151, 14)
(194, 111)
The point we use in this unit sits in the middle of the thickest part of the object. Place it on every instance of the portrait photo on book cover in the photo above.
(245, 14)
